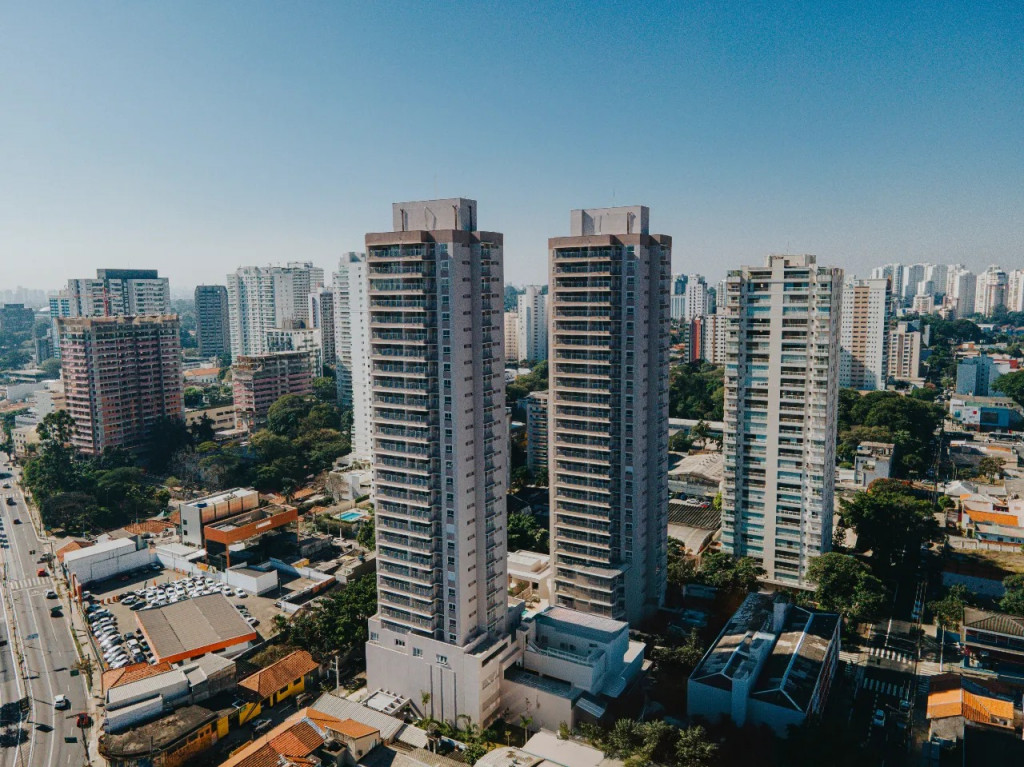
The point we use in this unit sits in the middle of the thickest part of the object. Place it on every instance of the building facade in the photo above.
(961, 290)
(352, 348)
(991, 291)
(608, 416)
(904, 353)
(439, 459)
(698, 299)
(781, 401)
(321, 316)
(212, 320)
(537, 432)
(512, 338)
(120, 293)
(864, 334)
(264, 297)
(258, 381)
(121, 375)
(532, 317)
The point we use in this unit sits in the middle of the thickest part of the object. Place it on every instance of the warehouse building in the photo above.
(194, 627)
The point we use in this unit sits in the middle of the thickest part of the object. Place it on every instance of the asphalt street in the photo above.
(42, 645)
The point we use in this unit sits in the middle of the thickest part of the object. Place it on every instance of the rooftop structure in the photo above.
(258, 381)
(955, 701)
(194, 515)
(194, 627)
(772, 664)
(993, 640)
(269, 680)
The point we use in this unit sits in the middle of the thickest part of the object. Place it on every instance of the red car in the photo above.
(41, 572)
(83, 720)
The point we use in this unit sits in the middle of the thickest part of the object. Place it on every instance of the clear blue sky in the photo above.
(197, 136)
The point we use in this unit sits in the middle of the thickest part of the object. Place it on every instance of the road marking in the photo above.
(28, 583)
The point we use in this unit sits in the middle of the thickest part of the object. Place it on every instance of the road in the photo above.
(42, 643)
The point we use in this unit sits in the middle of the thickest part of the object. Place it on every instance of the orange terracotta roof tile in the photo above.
(174, 517)
(352, 728)
(300, 739)
(305, 492)
(69, 547)
(148, 526)
(132, 673)
(991, 516)
(269, 680)
(972, 704)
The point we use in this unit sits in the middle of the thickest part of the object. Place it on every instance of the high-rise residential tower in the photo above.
(961, 290)
(678, 297)
(864, 334)
(352, 347)
(121, 375)
(119, 293)
(781, 402)
(439, 460)
(991, 290)
(698, 300)
(512, 338)
(532, 316)
(321, 317)
(1015, 291)
(265, 297)
(212, 320)
(608, 419)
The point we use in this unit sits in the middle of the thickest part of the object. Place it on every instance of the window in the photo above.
(417, 652)
(399, 643)
(373, 636)
(442, 659)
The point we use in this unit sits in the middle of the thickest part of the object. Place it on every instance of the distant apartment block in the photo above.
(773, 665)
(261, 298)
(321, 314)
(212, 320)
(991, 291)
(698, 299)
(608, 418)
(781, 402)
(532, 319)
(121, 375)
(352, 348)
(512, 337)
(16, 318)
(904, 353)
(961, 290)
(1015, 291)
(976, 375)
(120, 292)
(536, 404)
(864, 335)
(306, 340)
(712, 346)
(258, 381)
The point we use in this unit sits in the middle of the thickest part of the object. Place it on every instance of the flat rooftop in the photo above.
(194, 627)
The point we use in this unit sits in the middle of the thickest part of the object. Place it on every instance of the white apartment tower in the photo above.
(352, 348)
(120, 293)
(439, 460)
(864, 334)
(512, 338)
(608, 418)
(264, 297)
(781, 402)
(698, 300)
(961, 289)
(532, 316)
(991, 291)
(1014, 291)
(321, 317)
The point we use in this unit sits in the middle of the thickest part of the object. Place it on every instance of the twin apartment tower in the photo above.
(439, 435)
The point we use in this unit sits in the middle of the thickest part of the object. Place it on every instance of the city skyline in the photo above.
(250, 137)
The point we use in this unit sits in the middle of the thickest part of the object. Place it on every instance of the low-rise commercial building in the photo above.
(529, 575)
(873, 461)
(956, 702)
(106, 559)
(291, 675)
(697, 475)
(196, 514)
(985, 413)
(773, 664)
(195, 627)
(992, 640)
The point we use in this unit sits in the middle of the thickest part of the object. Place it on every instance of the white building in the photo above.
(1015, 291)
(352, 345)
(106, 559)
(712, 345)
(321, 315)
(119, 292)
(308, 340)
(698, 301)
(863, 334)
(913, 274)
(608, 414)
(439, 458)
(773, 664)
(678, 298)
(264, 297)
(781, 402)
(904, 353)
(512, 337)
(196, 514)
(532, 316)
(536, 405)
(893, 273)
(991, 291)
(961, 289)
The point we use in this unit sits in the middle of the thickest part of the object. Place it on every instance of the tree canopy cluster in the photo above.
(535, 380)
(886, 416)
(891, 519)
(336, 623)
(640, 744)
(845, 585)
(84, 494)
(1012, 385)
(525, 533)
(696, 390)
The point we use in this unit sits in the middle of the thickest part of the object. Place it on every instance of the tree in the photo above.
(949, 611)
(166, 437)
(700, 433)
(1012, 385)
(722, 571)
(285, 415)
(887, 416)
(525, 533)
(682, 569)
(889, 520)
(990, 467)
(1013, 600)
(680, 442)
(521, 477)
(337, 623)
(367, 535)
(193, 397)
(696, 391)
(75, 512)
(846, 585)
(680, 660)
(50, 367)
(325, 390)
(694, 748)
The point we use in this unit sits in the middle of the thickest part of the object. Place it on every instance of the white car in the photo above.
(61, 702)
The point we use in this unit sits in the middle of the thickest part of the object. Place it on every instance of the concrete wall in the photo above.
(257, 585)
(107, 564)
(546, 709)
(119, 720)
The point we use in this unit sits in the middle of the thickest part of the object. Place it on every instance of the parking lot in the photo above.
(113, 604)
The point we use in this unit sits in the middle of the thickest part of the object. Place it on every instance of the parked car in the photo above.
(261, 725)
(61, 702)
(878, 719)
(51, 594)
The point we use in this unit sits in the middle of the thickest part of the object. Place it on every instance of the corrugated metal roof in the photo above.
(192, 624)
(390, 727)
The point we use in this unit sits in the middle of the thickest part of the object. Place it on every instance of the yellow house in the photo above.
(277, 682)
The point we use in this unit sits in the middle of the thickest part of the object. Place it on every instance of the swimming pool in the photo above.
(351, 516)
